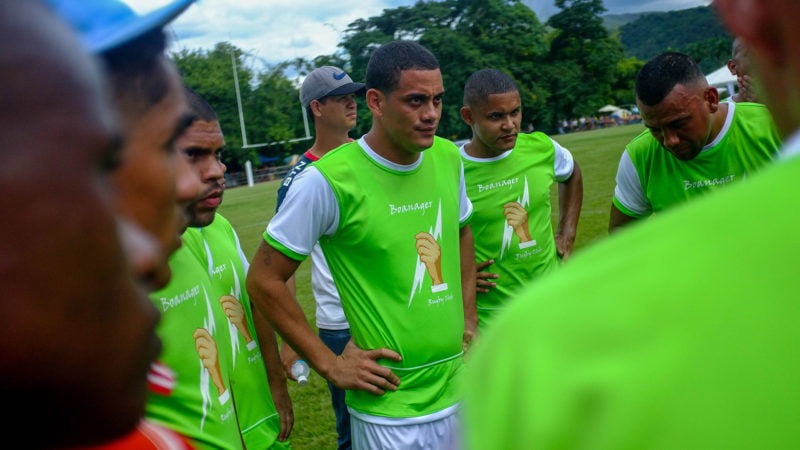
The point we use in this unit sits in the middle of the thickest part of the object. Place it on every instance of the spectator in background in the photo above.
(740, 66)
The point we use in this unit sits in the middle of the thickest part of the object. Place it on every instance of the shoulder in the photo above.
(221, 222)
(642, 145)
(746, 113)
(444, 148)
(536, 140)
(342, 151)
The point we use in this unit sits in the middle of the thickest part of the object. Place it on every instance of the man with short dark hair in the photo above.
(215, 245)
(328, 95)
(693, 144)
(508, 176)
(390, 212)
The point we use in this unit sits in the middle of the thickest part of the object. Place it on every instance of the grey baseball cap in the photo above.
(326, 81)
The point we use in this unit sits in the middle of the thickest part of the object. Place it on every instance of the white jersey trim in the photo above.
(313, 204)
(464, 205)
(791, 146)
(382, 420)
(563, 163)
(629, 190)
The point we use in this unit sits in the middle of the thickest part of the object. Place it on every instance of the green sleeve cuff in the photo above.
(282, 248)
(466, 221)
(625, 210)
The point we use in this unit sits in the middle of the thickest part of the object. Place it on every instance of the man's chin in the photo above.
(201, 219)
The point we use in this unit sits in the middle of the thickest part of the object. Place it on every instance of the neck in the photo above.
(382, 144)
(477, 149)
(717, 121)
(328, 140)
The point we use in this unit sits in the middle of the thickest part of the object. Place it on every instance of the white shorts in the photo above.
(440, 434)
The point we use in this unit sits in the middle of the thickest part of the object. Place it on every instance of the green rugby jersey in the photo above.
(521, 179)
(392, 298)
(678, 334)
(216, 247)
(185, 395)
(746, 143)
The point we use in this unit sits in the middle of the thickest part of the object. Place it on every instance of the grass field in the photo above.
(249, 209)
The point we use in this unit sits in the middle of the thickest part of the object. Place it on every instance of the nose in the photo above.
(429, 112)
(671, 139)
(216, 170)
(142, 252)
(188, 184)
(508, 124)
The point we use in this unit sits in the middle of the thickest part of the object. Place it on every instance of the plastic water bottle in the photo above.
(300, 371)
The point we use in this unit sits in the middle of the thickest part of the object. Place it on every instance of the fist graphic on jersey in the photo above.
(517, 218)
(430, 253)
(209, 356)
(235, 311)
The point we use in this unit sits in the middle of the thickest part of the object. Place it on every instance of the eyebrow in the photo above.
(420, 94)
(184, 122)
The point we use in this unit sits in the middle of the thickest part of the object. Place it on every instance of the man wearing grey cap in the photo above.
(328, 96)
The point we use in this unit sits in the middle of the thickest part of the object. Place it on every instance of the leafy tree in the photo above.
(697, 32)
(583, 60)
(210, 73)
(465, 35)
(622, 90)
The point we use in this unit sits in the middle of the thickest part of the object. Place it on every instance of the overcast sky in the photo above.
(281, 30)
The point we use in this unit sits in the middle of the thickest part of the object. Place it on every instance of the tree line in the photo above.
(566, 68)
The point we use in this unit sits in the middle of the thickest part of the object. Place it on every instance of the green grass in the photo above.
(249, 209)
(597, 152)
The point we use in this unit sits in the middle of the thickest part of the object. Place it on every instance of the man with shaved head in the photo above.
(693, 143)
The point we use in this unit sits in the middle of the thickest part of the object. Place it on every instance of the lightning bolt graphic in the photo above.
(235, 291)
(233, 332)
(419, 273)
(508, 231)
(205, 377)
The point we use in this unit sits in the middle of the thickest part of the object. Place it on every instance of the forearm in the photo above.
(266, 284)
(570, 200)
(618, 219)
(468, 277)
(269, 350)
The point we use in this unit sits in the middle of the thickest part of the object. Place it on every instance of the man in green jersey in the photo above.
(693, 144)
(328, 94)
(508, 178)
(679, 333)
(215, 244)
(389, 212)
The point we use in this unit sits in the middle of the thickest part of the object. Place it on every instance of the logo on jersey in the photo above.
(516, 223)
(429, 259)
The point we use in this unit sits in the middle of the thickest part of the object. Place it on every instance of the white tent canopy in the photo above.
(722, 78)
(609, 108)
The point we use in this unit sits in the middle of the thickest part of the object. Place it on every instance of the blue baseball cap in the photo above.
(103, 25)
